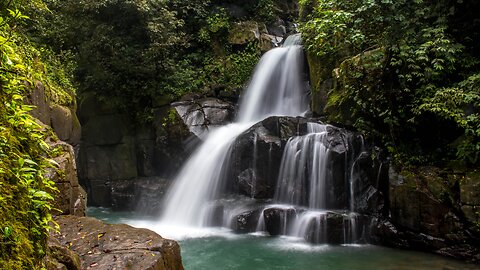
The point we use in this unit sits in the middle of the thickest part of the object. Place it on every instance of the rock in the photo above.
(470, 189)
(65, 124)
(277, 219)
(60, 257)
(257, 153)
(41, 102)
(104, 246)
(255, 160)
(70, 198)
(173, 142)
(201, 115)
(105, 130)
(244, 32)
(144, 195)
(425, 204)
(277, 28)
(246, 222)
(114, 152)
(417, 209)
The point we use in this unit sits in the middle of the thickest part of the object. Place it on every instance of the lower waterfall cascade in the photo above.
(309, 192)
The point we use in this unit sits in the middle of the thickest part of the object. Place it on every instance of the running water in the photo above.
(303, 170)
(277, 88)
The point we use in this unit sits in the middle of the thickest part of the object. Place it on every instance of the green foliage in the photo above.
(136, 54)
(407, 72)
(265, 10)
(25, 200)
(233, 70)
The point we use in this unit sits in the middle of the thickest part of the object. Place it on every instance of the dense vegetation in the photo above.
(25, 198)
(406, 72)
(140, 54)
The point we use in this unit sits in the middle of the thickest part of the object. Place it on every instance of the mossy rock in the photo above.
(245, 32)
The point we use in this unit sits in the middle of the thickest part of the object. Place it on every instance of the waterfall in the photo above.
(277, 87)
(303, 169)
(309, 199)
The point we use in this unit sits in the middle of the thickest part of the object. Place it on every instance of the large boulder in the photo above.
(65, 123)
(104, 246)
(204, 114)
(256, 159)
(257, 153)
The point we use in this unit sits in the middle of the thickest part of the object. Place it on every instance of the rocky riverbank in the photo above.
(87, 243)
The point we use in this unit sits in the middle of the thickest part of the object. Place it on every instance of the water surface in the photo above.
(220, 249)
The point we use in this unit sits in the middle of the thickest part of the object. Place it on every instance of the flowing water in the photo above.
(278, 87)
(220, 250)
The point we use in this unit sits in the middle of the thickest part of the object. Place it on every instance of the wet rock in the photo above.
(201, 115)
(257, 154)
(246, 222)
(103, 246)
(255, 162)
(277, 219)
(277, 28)
(144, 195)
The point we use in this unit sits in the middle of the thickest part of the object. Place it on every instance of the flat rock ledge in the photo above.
(88, 243)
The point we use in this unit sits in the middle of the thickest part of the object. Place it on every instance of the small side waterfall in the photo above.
(303, 170)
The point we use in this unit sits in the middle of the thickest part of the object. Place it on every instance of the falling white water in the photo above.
(303, 170)
(277, 88)
(311, 222)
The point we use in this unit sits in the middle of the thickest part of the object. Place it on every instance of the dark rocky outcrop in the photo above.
(276, 219)
(427, 208)
(257, 153)
(104, 246)
(144, 194)
(115, 152)
(200, 115)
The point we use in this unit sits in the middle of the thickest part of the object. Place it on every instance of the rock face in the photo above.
(204, 114)
(144, 194)
(60, 115)
(103, 246)
(57, 115)
(115, 152)
(256, 160)
(430, 210)
(71, 198)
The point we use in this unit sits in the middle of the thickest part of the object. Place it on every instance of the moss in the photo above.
(25, 198)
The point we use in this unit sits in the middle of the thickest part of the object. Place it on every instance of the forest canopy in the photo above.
(407, 72)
